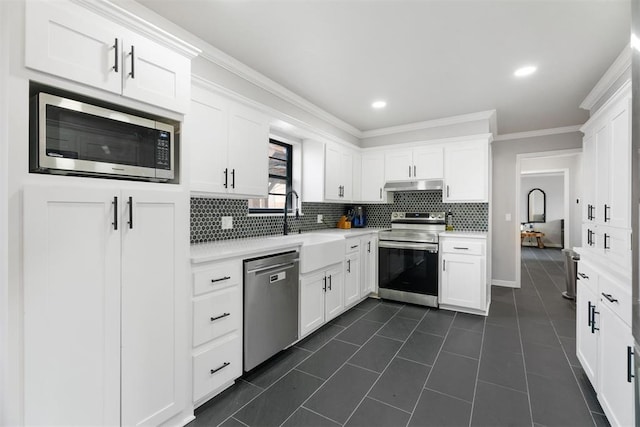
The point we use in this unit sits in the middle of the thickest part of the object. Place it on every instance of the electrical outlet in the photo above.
(320, 219)
(227, 222)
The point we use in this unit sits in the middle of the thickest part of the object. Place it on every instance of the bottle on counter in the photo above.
(449, 221)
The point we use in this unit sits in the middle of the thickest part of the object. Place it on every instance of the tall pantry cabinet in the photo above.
(102, 291)
(603, 304)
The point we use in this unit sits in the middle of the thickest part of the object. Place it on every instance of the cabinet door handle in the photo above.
(324, 283)
(609, 297)
(606, 241)
(447, 190)
(115, 212)
(593, 212)
(224, 365)
(329, 282)
(606, 217)
(444, 265)
(589, 314)
(380, 193)
(130, 203)
(593, 319)
(630, 375)
(409, 171)
(220, 279)
(584, 276)
(226, 178)
(213, 319)
(369, 247)
(133, 63)
(117, 54)
(233, 178)
(414, 171)
(348, 266)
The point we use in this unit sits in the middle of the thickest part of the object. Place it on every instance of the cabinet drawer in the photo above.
(616, 296)
(469, 247)
(217, 276)
(587, 277)
(353, 245)
(217, 366)
(217, 314)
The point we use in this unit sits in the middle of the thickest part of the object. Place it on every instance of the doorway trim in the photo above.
(567, 208)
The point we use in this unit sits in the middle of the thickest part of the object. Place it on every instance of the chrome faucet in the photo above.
(286, 197)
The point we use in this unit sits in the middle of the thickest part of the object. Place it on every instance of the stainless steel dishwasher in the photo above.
(270, 306)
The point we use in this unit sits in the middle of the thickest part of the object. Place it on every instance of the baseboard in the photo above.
(505, 283)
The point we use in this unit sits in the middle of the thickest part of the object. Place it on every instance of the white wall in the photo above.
(553, 187)
(504, 202)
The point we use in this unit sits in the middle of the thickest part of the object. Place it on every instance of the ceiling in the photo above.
(427, 59)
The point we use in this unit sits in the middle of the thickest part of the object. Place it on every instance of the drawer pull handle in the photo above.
(354, 246)
(220, 279)
(224, 365)
(458, 247)
(593, 319)
(584, 276)
(213, 319)
(609, 297)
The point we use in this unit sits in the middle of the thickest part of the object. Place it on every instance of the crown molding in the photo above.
(535, 133)
(117, 14)
(311, 131)
(617, 69)
(447, 121)
(236, 67)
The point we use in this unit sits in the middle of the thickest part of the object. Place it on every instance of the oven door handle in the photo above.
(429, 247)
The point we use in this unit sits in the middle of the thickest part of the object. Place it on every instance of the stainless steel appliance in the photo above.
(270, 306)
(408, 258)
(74, 137)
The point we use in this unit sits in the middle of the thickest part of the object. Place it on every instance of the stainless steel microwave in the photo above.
(74, 137)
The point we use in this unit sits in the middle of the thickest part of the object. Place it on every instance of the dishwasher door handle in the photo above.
(283, 266)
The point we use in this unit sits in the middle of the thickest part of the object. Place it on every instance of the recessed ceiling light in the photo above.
(379, 104)
(525, 71)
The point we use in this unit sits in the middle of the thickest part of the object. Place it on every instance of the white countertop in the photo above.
(257, 246)
(465, 234)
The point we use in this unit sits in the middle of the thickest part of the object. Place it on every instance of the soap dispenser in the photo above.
(449, 221)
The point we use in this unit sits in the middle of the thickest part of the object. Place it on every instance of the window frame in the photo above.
(288, 179)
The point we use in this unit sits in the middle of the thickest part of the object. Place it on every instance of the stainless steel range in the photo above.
(408, 258)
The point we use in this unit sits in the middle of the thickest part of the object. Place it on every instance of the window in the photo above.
(280, 179)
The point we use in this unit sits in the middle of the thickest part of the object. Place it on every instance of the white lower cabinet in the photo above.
(587, 329)
(369, 277)
(321, 297)
(217, 327)
(352, 272)
(604, 343)
(104, 305)
(463, 282)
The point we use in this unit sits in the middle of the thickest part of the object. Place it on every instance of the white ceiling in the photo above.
(427, 59)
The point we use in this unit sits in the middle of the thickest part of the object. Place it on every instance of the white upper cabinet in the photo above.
(607, 163)
(69, 41)
(466, 172)
(338, 173)
(248, 151)
(428, 163)
(228, 146)
(328, 172)
(415, 163)
(373, 167)
(398, 165)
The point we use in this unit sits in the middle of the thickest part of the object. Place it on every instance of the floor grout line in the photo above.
(503, 386)
(475, 386)
(414, 361)
(388, 404)
(435, 360)
(311, 410)
(385, 368)
(584, 398)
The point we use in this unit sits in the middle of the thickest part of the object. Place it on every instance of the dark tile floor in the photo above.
(389, 364)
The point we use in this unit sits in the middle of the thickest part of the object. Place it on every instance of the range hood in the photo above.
(418, 185)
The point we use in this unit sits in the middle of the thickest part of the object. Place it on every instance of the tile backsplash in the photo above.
(206, 216)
